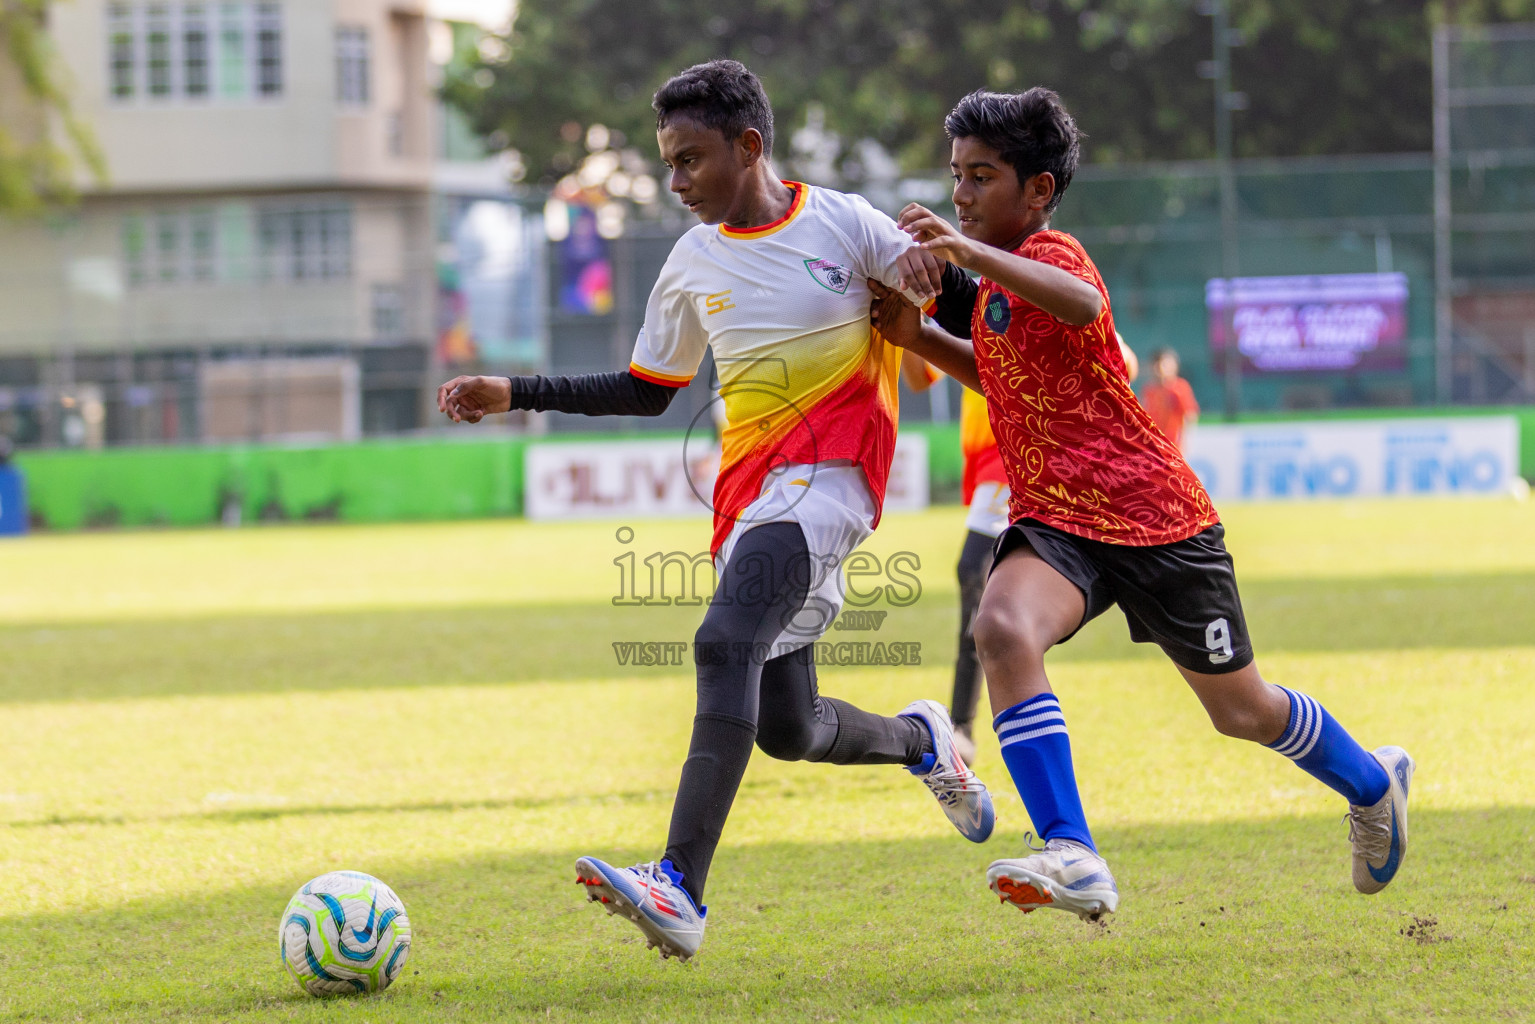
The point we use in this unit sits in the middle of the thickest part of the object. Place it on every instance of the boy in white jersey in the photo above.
(774, 281)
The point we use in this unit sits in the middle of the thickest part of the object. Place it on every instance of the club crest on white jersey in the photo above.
(830, 276)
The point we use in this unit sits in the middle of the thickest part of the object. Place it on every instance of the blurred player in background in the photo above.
(1168, 398)
(983, 489)
(774, 282)
(1104, 510)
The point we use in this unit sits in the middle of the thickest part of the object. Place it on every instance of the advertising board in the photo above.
(1315, 322)
(625, 479)
(1363, 458)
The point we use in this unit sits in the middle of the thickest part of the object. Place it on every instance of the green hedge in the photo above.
(369, 482)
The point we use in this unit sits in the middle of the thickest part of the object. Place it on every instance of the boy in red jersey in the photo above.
(1104, 509)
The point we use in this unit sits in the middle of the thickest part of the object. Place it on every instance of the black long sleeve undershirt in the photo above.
(956, 302)
(619, 393)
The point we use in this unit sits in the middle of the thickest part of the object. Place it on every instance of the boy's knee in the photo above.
(1000, 635)
(786, 741)
(713, 635)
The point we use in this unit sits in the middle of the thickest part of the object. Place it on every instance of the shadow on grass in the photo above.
(232, 817)
(431, 646)
(1247, 920)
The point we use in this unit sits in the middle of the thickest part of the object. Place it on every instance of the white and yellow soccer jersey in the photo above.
(785, 308)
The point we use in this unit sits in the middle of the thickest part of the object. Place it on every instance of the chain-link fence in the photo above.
(1484, 212)
(250, 318)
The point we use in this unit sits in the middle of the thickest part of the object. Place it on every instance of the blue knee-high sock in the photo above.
(1037, 751)
(1315, 741)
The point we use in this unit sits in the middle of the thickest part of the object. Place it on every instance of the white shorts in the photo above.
(988, 508)
(835, 510)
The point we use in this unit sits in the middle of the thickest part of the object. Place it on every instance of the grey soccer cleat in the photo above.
(1379, 832)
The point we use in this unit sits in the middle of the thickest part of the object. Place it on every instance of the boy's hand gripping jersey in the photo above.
(785, 309)
(1081, 453)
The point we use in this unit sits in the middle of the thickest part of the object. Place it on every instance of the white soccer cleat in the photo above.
(962, 796)
(646, 895)
(1378, 833)
(1065, 875)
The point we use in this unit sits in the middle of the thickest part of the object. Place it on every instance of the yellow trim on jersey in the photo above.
(801, 191)
(657, 377)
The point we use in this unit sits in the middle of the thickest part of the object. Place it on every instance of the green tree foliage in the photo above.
(36, 170)
(1322, 76)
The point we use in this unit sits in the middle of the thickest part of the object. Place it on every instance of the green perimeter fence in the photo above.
(391, 480)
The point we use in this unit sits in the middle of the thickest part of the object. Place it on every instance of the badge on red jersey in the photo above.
(999, 313)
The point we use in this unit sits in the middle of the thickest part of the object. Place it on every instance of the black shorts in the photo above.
(1181, 597)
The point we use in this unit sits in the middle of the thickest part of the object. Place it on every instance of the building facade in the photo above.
(259, 262)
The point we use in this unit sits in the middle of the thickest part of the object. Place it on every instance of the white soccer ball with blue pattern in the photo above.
(344, 932)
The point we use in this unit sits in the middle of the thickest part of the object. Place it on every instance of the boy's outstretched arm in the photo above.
(621, 393)
(1064, 296)
(901, 324)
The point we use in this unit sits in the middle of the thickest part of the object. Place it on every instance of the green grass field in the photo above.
(192, 724)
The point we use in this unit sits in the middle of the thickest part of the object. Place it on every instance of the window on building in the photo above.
(308, 243)
(352, 65)
(120, 45)
(167, 248)
(269, 49)
(194, 50)
(233, 243)
(202, 246)
(135, 251)
(388, 312)
(233, 65)
(336, 242)
(171, 247)
(157, 50)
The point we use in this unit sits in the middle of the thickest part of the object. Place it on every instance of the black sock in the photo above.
(717, 757)
(974, 561)
(864, 738)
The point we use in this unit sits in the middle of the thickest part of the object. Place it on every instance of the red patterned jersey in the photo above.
(1081, 453)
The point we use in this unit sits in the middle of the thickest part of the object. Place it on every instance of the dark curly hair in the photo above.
(1032, 131)
(723, 95)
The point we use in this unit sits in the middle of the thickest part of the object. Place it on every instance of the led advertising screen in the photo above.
(1316, 322)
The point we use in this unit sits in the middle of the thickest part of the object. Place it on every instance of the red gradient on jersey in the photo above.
(855, 420)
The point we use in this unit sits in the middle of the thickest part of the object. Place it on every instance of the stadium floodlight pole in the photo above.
(1444, 310)
(1225, 102)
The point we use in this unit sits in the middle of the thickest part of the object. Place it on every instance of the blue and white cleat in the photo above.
(962, 796)
(1065, 875)
(648, 895)
(1379, 832)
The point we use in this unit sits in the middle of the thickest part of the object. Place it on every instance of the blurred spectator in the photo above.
(1168, 398)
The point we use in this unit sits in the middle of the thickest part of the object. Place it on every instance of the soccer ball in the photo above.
(344, 932)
